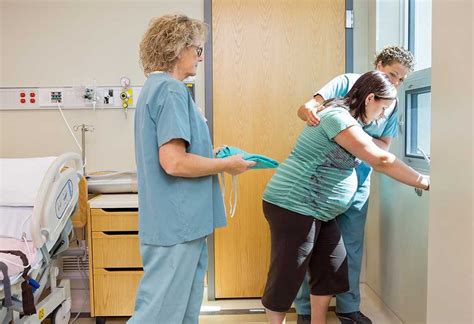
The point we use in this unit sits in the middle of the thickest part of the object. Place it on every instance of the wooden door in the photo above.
(268, 58)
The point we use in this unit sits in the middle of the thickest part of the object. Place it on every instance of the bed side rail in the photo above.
(58, 195)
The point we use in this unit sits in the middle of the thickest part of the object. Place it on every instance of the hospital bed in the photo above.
(38, 198)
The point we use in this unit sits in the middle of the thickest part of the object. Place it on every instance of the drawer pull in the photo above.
(118, 210)
(122, 269)
(121, 233)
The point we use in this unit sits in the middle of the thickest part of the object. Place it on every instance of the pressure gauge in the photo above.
(124, 82)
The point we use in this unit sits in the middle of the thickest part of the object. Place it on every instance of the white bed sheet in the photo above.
(21, 179)
(14, 221)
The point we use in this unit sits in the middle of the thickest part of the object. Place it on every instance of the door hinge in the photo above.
(350, 19)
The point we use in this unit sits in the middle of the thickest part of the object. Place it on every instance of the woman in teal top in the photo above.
(316, 183)
(178, 193)
(396, 62)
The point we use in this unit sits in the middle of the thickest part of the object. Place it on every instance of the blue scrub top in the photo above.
(386, 127)
(172, 210)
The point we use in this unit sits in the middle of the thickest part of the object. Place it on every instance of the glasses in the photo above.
(198, 50)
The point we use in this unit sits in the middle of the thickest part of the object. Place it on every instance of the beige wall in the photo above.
(419, 249)
(397, 225)
(364, 36)
(71, 43)
(450, 245)
(397, 239)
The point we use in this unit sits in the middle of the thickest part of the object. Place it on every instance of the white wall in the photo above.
(451, 230)
(71, 43)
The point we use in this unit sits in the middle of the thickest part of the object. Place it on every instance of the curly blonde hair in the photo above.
(165, 38)
(395, 54)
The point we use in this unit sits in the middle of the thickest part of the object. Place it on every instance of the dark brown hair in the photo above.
(375, 82)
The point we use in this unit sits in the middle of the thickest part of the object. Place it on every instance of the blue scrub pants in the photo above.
(172, 285)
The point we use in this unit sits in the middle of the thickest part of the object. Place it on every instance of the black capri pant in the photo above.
(302, 243)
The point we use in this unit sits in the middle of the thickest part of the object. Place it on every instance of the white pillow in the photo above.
(20, 179)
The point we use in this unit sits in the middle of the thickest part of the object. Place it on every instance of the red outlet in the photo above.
(27, 97)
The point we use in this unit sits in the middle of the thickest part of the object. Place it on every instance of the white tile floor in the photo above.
(371, 305)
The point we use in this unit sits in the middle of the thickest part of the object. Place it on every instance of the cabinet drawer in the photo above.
(114, 220)
(115, 291)
(115, 250)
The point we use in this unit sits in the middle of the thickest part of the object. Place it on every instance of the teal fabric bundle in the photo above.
(262, 161)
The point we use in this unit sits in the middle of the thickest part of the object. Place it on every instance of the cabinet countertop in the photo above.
(114, 201)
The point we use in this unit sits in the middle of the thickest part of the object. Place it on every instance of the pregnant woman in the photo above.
(316, 183)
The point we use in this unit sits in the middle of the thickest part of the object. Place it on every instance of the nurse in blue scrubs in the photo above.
(179, 198)
(397, 63)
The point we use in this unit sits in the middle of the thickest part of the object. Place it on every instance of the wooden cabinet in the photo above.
(115, 266)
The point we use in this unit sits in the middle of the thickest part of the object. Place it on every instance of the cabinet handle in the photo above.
(122, 269)
(118, 210)
(121, 233)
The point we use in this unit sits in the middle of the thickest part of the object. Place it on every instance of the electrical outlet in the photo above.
(27, 98)
(18, 98)
(50, 97)
(56, 96)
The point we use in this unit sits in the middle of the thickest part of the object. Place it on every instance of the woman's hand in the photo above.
(311, 110)
(425, 182)
(236, 164)
(312, 118)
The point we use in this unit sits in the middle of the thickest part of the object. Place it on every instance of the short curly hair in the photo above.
(395, 54)
(165, 38)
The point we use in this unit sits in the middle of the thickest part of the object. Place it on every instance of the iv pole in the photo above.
(84, 128)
